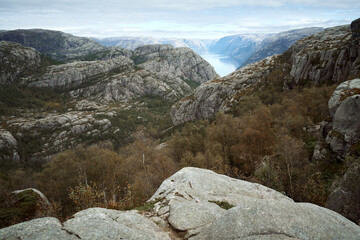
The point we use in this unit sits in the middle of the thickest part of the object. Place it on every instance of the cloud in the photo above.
(207, 18)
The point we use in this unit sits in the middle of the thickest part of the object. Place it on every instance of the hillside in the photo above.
(330, 56)
(55, 44)
(60, 106)
(152, 144)
(279, 43)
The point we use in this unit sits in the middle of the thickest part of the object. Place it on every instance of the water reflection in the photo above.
(223, 64)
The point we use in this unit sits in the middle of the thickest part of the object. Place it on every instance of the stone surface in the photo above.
(258, 213)
(355, 28)
(345, 198)
(38, 229)
(344, 107)
(17, 61)
(99, 223)
(71, 75)
(56, 44)
(268, 219)
(214, 96)
(189, 215)
(187, 199)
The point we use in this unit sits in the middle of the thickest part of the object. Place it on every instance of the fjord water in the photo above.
(223, 64)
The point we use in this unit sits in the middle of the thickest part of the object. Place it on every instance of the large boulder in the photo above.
(188, 199)
(267, 219)
(47, 228)
(23, 205)
(344, 106)
(345, 198)
(93, 223)
(355, 28)
(199, 204)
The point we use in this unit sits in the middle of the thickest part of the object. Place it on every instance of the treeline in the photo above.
(269, 143)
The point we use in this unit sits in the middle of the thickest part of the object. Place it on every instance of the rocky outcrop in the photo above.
(218, 94)
(266, 220)
(330, 56)
(179, 62)
(8, 146)
(93, 223)
(55, 44)
(355, 28)
(159, 70)
(23, 205)
(344, 106)
(344, 199)
(72, 75)
(17, 61)
(49, 133)
(199, 204)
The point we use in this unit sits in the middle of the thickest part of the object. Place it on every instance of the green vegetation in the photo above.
(223, 204)
(193, 84)
(12, 97)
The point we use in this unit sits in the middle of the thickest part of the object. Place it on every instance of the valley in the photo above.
(170, 139)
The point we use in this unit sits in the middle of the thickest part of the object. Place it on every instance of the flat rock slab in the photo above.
(100, 223)
(47, 228)
(190, 215)
(263, 219)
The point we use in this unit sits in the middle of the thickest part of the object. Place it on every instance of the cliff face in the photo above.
(17, 61)
(199, 204)
(330, 56)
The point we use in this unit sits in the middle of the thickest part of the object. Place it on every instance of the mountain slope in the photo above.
(239, 47)
(330, 56)
(279, 43)
(121, 92)
(55, 44)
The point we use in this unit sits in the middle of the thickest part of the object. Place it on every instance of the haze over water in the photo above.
(222, 64)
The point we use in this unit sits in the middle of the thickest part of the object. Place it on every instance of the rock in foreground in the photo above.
(199, 204)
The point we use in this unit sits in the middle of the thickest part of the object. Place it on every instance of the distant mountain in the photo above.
(198, 45)
(239, 47)
(55, 44)
(279, 43)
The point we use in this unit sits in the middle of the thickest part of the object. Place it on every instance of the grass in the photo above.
(223, 204)
(148, 206)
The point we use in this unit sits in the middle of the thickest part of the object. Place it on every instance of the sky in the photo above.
(205, 19)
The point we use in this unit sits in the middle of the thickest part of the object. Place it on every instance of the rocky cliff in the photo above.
(330, 56)
(198, 204)
(17, 61)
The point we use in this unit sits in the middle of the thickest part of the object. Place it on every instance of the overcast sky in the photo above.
(182, 18)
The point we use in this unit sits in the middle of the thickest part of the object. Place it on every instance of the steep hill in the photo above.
(279, 43)
(330, 56)
(55, 44)
(239, 47)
